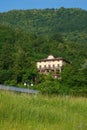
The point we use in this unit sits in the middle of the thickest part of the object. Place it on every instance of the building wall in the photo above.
(51, 64)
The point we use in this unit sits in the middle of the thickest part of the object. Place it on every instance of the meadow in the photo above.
(38, 112)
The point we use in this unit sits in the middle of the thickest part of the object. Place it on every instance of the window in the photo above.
(53, 66)
(39, 66)
(44, 66)
(58, 65)
(49, 66)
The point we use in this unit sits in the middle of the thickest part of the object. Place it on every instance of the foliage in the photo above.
(71, 22)
(29, 35)
(46, 20)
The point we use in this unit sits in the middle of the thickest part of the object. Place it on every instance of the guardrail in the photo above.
(16, 89)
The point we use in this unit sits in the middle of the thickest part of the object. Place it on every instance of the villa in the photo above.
(51, 65)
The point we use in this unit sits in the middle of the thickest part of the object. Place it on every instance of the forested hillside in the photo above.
(47, 20)
(71, 21)
(29, 35)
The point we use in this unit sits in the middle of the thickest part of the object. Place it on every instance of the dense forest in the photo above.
(29, 35)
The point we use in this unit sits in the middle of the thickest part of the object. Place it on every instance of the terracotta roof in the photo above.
(52, 58)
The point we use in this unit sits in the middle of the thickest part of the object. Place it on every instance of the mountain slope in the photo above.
(46, 20)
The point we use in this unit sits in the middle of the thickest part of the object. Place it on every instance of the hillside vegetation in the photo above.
(29, 35)
(47, 20)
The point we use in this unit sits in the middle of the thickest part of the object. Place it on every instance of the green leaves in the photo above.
(29, 35)
(46, 21)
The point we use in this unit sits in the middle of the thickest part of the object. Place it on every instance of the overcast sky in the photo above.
(6, 5)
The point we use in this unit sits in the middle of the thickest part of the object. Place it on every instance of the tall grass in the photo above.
(37, 112)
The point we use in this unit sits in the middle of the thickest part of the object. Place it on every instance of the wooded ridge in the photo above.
(30, 35)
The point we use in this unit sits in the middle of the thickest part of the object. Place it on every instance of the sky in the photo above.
(6, 5)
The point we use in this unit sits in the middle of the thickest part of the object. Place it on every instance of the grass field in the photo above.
(37, 112)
